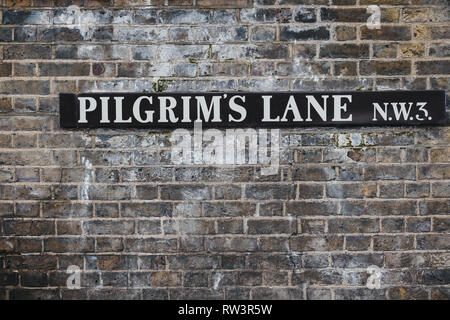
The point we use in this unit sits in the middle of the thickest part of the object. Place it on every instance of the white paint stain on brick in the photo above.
(216, 280)
(88, 177)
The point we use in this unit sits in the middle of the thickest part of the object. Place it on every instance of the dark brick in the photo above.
(311, 208)
(277, 294)
(61, 34)
(26, 17)
(272, 191)
(307, 15)
(386, 68)
(396, 242)
(360, 260)
(185, 192)
(64, 70)
(304, 33)
(433, 67)
(317, 243)
(344, 51)
(34, 279)
(317, 277)
(353, 225)
(392, 33)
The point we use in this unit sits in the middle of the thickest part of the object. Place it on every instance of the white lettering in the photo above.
(339, 108)
(321, 111)
(167, 109)
(266, 107)
(237, 108)
(137, 110)
(84, 109)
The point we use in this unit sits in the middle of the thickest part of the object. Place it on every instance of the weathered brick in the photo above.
(292, 33)
(434, 277)
(34, 294)
(310, 191)
(417, 190)
(320, 277)
(394, 242)
(347, 190)
(140, 34)
(265, 15)
(61, 245)
(344, 33)
(360, 294)
(439, 154)
(311, 208)
(392, 225)
(412, 50)
(187, 192)
(66, 209)
(115, 192)
(6, 34)
(111, 262)
(438, 171)
(34, 279)
(231, 244)
(188, 226)
(272, 191)
(31, 262)
(388, 50)
(9, 278)
(312, 173)
(196, 262)
(32, 87)
(378, 208)
(223, 3)
(28, 228)
(353, 225)
(317, 243)
(418, 225)
(270, 226)
(441, 224)
(423, 32)
(266, 293)
(359, 260)
(439, 50)
(61, 69)
(391, 190)
(151, 245)
(356, 15)
(275, 278)
(389, 172)
(433, 67)
(434, 207)
(314, 226)
(407, 293)
(357, 243)
(102, 227)
(392, 33)
(433, 242)
(397, 67)
(27, 17)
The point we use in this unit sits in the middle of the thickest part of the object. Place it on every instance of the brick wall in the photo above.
(138, 227)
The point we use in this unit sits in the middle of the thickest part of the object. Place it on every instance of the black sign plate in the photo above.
(242, 109)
